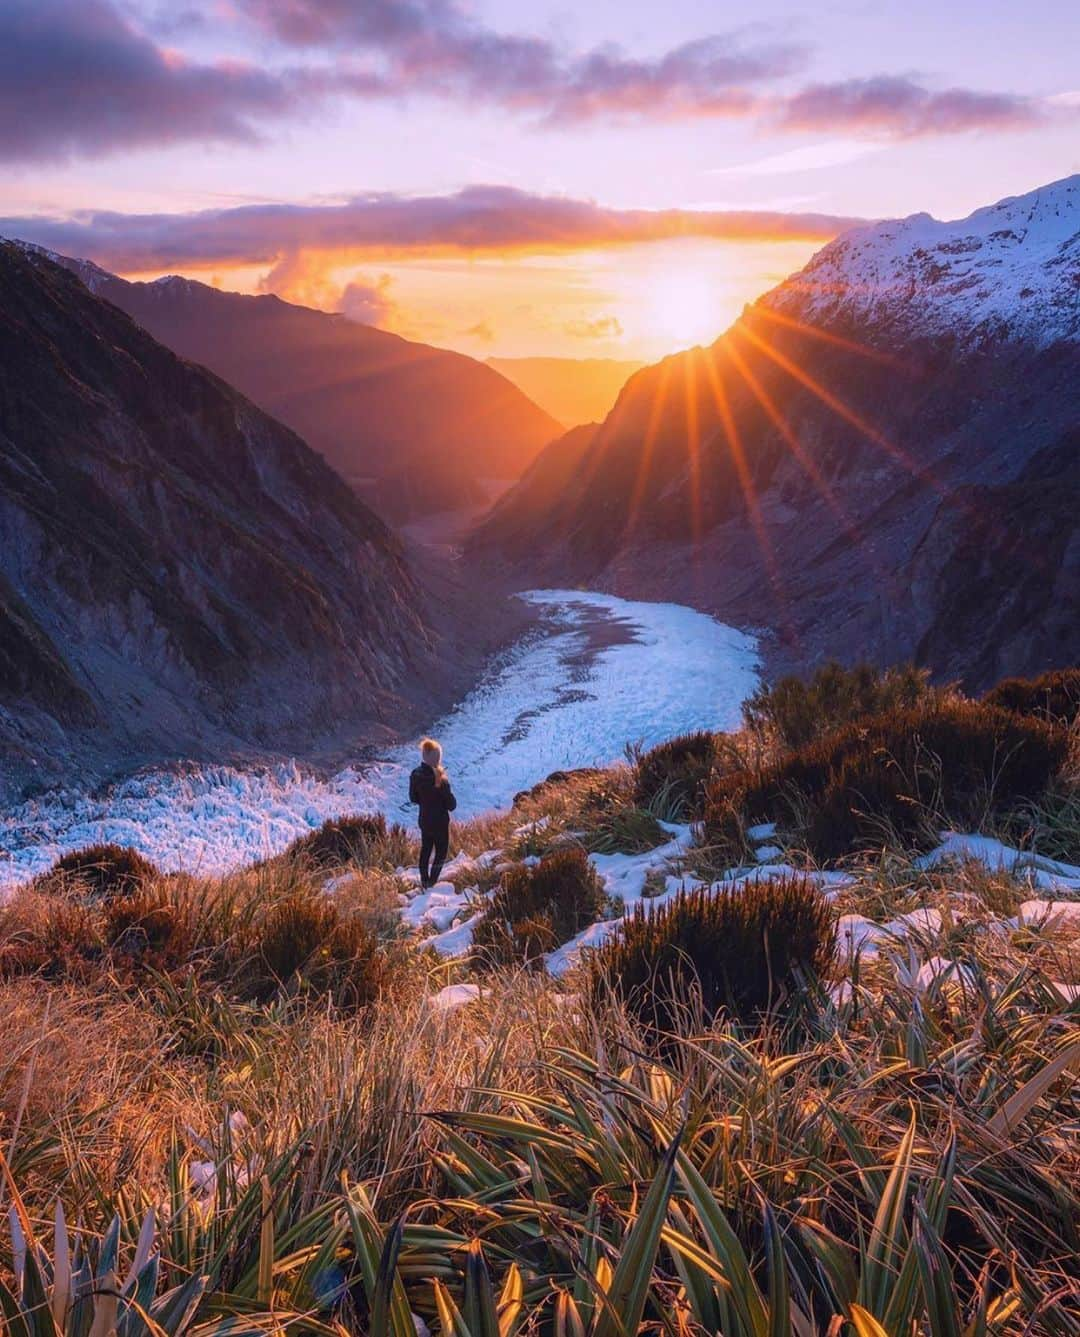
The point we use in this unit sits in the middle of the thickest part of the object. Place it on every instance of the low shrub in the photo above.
(673, 774)
(363, 839)
(49, 936)
(537, 908)
(745, 950)
(794, 712)
(304, 942)
(625, 830)
(150, 929)
(897, 775)
(101, 871)
(1052, 696)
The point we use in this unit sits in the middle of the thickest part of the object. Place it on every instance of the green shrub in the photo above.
(537, 908)
(744, 949)
(1052, 696)
(673, 774)
(795, 712)
(304, 942)
(903, 773)
(101, 871)
(363, 839)
(625, 830)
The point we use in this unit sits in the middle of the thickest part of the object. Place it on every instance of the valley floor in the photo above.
(595, 673)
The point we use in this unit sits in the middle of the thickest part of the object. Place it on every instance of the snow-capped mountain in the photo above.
(1011, 271)
(922, 504)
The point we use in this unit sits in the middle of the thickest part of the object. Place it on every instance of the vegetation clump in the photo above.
(745, 950)
(537, 908)
(304, 942)
(672, 776)
(362, 839)
(1051, 696)
(894, 778)
(100, 871)
(794, 712)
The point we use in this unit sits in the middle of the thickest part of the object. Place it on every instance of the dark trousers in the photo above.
(433, 840)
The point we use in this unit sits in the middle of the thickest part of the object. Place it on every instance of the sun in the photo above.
(682, 307)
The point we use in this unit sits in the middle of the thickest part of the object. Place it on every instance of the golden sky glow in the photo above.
(635, 301)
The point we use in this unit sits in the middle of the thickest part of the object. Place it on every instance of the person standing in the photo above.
(429, 789)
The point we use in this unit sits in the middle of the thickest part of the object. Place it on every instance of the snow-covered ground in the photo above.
(547, 705)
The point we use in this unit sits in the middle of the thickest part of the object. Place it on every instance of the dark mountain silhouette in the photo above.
(380, 408)
(178, 571)
(878, 459)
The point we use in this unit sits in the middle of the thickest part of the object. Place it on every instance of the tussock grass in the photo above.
(245, 1143)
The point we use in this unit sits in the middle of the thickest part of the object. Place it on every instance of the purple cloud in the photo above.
(473, 220)
(77, 77)
(901, 108)
(435, 46)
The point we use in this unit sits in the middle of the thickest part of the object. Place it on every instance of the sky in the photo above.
(614, 178)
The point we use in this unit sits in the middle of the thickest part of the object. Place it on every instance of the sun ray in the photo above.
(826, 336)
(838, 406)
(647, 446)
(749, 491)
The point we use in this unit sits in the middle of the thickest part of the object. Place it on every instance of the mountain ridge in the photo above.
(388, 414)
(787, 475)
(178, 572)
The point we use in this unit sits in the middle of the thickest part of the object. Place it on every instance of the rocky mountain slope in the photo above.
(179, 573)
(385, 411)
(879, 458)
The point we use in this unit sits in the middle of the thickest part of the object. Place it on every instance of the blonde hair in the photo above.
(431, 752)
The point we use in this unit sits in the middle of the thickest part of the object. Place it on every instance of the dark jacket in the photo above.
(436, 801)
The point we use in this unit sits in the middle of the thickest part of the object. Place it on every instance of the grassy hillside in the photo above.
(795, 1093)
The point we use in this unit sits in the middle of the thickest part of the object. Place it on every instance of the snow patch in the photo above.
(543, 707)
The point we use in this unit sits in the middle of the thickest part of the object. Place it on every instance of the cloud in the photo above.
(603, 327)
(76, 77)
(478, 219)
(368, 301)
(483, 332)
(899, 107)
(302, 276)
(437, 47)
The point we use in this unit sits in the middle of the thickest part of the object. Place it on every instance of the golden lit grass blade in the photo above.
(265, 1287)
(567, 1317)
(61, 1268)
(511, 1301)
(780, 1324)
(886, 1247)
(624, 1304)
(865, 1324)
(374, 1254)
(384, 1281)
(450, 1319)
(481, 1317)
(746, 1301)
(939, 1295)
(1019, 1105)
